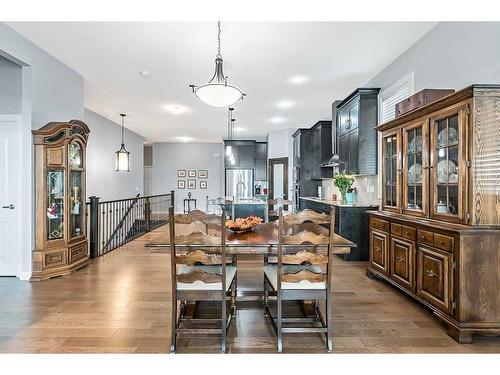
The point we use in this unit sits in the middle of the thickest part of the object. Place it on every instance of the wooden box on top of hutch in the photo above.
(61, 245)
(437, 234)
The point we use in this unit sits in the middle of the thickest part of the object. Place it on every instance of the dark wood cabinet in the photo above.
(402, 258)
(260, 161)
(440, 201)
(320, 149)
(356, 118)
(434, 277)
(379, 250)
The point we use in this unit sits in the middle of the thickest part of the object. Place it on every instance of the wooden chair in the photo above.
(199, 273)
(273, 206)
(303, 272)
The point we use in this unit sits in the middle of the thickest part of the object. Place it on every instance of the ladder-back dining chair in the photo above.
(303, 272)
(273, 206)
(199, 273)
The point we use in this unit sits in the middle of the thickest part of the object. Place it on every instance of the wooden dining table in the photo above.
(261, 240)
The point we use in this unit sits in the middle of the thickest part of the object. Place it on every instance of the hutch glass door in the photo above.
(76, 190)
(55, 204)
(448, 165)
(414, 167)
(391, 171)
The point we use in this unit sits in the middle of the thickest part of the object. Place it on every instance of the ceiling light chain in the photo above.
(218, 40)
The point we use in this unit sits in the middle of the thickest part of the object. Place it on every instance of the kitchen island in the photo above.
(351, 222)
(246, 207)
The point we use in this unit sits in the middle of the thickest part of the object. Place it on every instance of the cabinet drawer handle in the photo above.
(399, 259)
(430, 273)
(377, 249)
(427, 167)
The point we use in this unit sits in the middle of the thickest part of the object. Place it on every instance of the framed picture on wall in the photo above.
(202, 173)
(181, 184)
(181, 173)
(191, 184)
(203, 184)
(191, 173)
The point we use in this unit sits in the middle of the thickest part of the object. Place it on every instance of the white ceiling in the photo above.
(336, 57)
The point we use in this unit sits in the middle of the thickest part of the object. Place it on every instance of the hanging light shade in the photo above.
(122, 155)
(218, 92)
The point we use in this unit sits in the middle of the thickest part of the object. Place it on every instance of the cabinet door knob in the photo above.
(430, 273)
(399, 259)
(10, 206)
(377, 249)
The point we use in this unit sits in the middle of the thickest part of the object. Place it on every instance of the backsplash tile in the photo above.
(366, 189)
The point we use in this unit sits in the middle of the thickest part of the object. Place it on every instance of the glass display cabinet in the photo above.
(61, 245)
(437, 234)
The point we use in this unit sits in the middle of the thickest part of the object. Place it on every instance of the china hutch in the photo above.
(437, 234)
(61, 246)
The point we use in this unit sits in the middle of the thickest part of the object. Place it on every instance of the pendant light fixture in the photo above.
(122, 155)
(218, 92)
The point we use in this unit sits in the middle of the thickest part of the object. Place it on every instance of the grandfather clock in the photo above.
(61, 245)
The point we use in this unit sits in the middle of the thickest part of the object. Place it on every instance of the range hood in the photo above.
(333, 162)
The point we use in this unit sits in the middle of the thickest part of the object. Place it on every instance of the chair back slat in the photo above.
(210, 250)
(305, 257)
(199, 257)
(307, 215)
(301, 248)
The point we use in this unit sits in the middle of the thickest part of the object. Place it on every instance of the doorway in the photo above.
(278, 178)
(10, 194)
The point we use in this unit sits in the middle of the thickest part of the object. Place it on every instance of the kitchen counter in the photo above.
(248, 201)
(246, 207)
(338, 204)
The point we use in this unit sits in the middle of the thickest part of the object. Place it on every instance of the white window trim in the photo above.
(385, 93)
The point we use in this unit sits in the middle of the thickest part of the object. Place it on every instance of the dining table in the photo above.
(260, 240)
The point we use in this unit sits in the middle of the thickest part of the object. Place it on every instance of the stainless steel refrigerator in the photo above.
(239, 183)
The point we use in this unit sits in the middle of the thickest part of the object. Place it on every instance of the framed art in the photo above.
(191, 184)
(191, 173)
(202, 173)
(181, 184)
(203, 184)
(181, 173)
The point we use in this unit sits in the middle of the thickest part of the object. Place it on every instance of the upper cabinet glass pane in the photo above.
(55, 204)
(75, 155)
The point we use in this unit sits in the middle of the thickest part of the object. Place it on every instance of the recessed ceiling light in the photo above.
(285, 104)
(297, 79)
(276, 119)
(176, 109)
(144, 73)
(184, 139)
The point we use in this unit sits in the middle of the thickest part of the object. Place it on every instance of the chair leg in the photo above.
(233, 297)
(266, 297)
(174, 327)
(329, 307)
(223, 323)
(279, 325)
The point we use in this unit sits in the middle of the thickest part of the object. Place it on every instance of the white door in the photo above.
(10, 181)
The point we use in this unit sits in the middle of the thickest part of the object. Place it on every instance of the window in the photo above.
(389, 96)
(387, 99)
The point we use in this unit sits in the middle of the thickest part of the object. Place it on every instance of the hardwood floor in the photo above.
(121, 304)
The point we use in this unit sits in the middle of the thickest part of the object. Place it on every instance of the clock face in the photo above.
(75, 155)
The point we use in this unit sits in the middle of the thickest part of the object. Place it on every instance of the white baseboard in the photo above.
(24, 275)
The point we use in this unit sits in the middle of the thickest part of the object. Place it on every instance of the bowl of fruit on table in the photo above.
(243, 224)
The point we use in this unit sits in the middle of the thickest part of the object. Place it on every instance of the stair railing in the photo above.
(113, 223)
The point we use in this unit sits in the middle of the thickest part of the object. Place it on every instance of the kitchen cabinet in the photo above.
(260, 161)
(320, 149)
(356, 117)
(243, 154)
(440, 209)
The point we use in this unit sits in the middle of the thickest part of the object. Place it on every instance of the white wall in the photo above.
(10, 87)
(56, 90)
(102, 179)
(451, 55)
(280, 145)
(169, 157)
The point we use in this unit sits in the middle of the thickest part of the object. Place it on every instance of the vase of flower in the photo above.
(343, 182)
